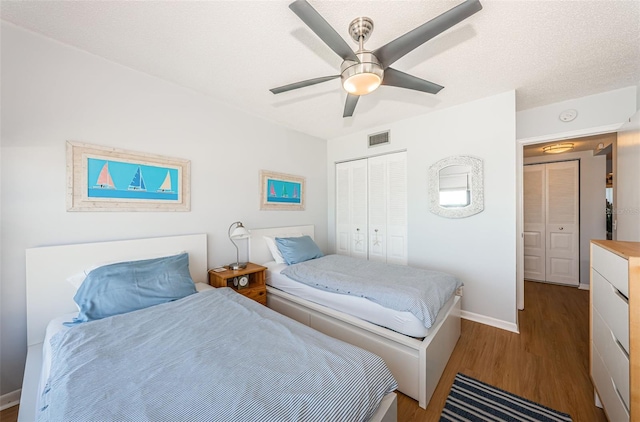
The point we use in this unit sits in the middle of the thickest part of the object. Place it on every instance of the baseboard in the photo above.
(10, 399)
(482, 319)
(584, 286)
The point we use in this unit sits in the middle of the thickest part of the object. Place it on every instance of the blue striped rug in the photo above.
(474, 401)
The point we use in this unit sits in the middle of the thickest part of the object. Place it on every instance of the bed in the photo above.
(417, 358)
(237, 371)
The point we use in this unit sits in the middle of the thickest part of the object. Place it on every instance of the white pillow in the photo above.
(271, 243)
(77, 279)
(275, 252)
(203, 287)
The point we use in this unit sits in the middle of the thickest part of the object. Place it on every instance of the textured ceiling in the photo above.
(234, 51)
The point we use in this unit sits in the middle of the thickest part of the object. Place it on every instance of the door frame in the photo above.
(520, 144)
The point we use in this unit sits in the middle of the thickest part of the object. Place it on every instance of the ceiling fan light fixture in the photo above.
(557, 148)
(362, 78)
(362, 83)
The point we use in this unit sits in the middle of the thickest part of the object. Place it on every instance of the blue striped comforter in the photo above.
(399, 287)
(214, 356)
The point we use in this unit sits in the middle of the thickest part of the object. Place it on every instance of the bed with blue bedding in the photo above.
(418, 291)
(214, 356)
(146, 343)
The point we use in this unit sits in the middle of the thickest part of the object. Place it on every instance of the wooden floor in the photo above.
(9, 415)
(548, 362)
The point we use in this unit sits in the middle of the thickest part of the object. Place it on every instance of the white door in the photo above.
(378, 208)
(397, 208)
(388, 208)
(343, 210)
(351, 208)
(562, 235)
(534, 222)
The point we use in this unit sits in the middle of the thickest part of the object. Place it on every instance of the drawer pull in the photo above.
(620, 295)
(617, 342)
(620, 396)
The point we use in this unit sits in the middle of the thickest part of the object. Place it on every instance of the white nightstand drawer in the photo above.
(615, 359)
(612, 267)
(606, 388)
(613, 308)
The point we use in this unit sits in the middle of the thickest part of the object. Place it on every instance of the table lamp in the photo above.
(237, 231)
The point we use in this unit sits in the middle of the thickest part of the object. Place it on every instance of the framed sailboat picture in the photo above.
(110, 179)
(281, 191)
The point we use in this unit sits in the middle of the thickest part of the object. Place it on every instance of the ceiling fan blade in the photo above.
(302, 84)
(393, 77)
(350, 105)
(321, 27)
(394, 50)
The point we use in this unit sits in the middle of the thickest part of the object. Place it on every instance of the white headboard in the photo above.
(259, 251)
(49, 295)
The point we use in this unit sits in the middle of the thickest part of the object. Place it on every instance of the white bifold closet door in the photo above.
(388, 208)
(551, 222)
(352, 208)
(371, 208)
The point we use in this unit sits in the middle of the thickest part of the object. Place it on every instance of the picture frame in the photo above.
(111, 179)
(280, 191)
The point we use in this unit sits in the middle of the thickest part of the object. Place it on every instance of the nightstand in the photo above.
(256, 289)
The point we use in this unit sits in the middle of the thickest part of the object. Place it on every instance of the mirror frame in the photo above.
(477, 187)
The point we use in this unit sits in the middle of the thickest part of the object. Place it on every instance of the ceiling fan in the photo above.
(363, 71)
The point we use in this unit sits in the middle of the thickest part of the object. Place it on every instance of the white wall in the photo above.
(597, 113)
(481, 249)
(627, 182)
(52, 93)
(593, 170)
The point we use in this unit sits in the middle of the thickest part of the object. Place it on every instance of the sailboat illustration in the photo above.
(295, 191)
(272, 191)
(166, 185)
(284, 191)
(104, 178)
(138, 181)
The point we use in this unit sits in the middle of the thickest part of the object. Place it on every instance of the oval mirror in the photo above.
(456, 187)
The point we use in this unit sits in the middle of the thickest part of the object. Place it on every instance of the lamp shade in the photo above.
(240, 232)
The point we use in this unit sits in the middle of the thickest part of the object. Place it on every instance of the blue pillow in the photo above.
(128, 286)
(298, 249)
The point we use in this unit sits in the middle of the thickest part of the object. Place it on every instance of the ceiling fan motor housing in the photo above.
(364, 77)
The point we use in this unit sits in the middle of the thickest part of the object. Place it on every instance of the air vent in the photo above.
(377, 139)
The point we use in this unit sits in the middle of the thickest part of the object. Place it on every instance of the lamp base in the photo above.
(237, 266)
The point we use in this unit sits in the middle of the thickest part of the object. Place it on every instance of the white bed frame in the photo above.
(49, 295)
(417, 364)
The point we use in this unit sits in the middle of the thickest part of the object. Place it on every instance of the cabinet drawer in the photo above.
(259, 295)
(612, 267)
(615, 359)
(606, 388)
(613, 308)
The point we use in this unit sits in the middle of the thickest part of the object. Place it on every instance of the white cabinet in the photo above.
(615, 326)
(371, 208)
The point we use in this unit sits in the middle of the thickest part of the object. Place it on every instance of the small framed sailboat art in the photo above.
(281, 191)
(110, 179)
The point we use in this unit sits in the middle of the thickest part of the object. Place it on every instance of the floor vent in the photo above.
(377, 139)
